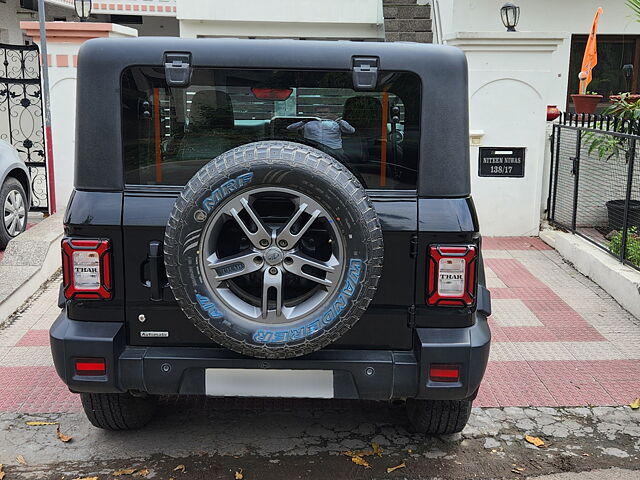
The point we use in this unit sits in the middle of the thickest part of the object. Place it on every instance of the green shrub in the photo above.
(632, 253)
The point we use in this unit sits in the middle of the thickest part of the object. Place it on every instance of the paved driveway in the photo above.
(558, 339)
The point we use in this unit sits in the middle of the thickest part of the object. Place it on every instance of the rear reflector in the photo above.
(442, 372)
(271, 93)
(86, 269)
(91, 367)
(452, 275)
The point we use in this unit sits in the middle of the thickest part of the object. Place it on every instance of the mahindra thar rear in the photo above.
(272, 218)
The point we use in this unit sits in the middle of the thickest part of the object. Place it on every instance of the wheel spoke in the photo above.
(272, 281)
(260, 238)
(295, 262)
(235, 266)
(13, 229)
(286, 238)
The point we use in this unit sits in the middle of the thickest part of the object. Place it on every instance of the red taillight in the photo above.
(91, 367)
(271, 93)
(86, 269)
(442, 372)
(452, 275)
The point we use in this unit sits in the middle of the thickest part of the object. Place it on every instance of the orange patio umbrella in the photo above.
(590, 58)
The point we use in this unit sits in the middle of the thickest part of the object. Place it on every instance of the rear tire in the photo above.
(118, 411)
(13, 203)
(438, 417)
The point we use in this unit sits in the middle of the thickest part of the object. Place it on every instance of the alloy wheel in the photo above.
(272, 255)
(15, 213)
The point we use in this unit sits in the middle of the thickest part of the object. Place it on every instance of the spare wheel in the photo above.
(273, 249)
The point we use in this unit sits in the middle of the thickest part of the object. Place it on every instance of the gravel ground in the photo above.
(267, 439)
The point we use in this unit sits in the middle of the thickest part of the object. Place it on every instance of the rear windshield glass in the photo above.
(170, 133)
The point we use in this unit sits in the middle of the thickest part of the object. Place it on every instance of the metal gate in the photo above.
(594, 189)
(21, 114)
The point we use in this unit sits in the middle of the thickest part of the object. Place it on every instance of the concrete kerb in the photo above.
(29, 260)
(618, 280)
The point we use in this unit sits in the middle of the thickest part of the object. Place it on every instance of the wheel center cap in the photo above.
(273, 256)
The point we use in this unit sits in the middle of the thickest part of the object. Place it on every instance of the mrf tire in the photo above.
(438, 417)
(275, 164)
(118, 411)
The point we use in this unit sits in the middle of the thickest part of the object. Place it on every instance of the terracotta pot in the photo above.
(630, 98)
(553, 112)
(586, 103)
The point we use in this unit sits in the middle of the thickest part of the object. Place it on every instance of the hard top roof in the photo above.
(444, 151)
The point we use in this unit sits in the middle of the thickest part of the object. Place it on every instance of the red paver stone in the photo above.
(502, 293)
(561, 322)
(579, 394)
(34, 338)
(613, 370)
(507, 383)
(533, 394)
(512, 372)
(514, 243)
(513, 273)
(622, 393)
(530, 334)
(562, 371)
(35, 390)
(485, 397)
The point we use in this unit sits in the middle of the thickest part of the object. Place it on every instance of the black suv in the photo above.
(272, 218)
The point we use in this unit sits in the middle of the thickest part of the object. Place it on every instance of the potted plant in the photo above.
(586, 103)
(629, 97)
(626, 115)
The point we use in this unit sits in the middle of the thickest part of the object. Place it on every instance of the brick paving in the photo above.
(558, 339)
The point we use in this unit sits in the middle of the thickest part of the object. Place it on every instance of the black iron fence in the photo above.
(21, 120)
(595, 182)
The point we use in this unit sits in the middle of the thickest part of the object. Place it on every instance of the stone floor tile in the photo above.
(495, 254)
(539, 351)
(594, 351)
(513, 313)
(495, 282)
(505, 352)
(27, 357)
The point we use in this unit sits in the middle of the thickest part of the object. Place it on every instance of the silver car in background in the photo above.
(15, 193)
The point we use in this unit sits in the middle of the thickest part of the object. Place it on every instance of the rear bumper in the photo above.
(357, 374)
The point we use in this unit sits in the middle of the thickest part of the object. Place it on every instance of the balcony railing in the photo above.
(166, 8)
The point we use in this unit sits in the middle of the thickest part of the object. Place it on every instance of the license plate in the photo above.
(232, 382)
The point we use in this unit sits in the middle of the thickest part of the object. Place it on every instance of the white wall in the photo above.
(154, 26)
(570, 16)
(283, 18)
(62, 91)
(538, 15)
(509, 89)
(510, 77)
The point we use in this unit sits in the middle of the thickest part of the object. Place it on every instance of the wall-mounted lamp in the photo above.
(83, 9)
(510, 15)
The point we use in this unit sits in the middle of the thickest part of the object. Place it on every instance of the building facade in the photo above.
(512, 76)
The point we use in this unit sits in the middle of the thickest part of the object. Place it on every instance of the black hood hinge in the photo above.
(365, 73)
(177, 69)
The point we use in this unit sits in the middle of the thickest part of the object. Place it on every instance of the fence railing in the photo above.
(595, 183)
(601, 122)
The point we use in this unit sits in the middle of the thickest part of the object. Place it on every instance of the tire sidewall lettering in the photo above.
(233, 174)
